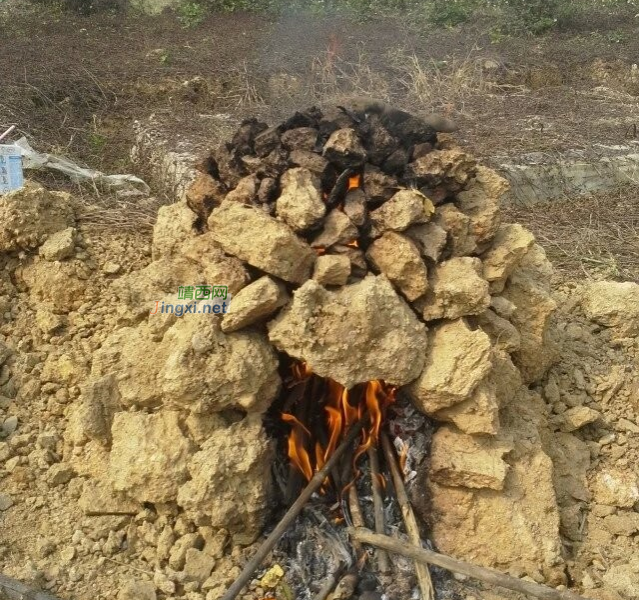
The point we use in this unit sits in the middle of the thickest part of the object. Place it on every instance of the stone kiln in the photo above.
(363, 249)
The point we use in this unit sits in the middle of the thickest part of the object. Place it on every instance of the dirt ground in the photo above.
(77, 84)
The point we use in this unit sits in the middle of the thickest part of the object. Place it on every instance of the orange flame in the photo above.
(354, 182)
(341, 410)
(296, 446)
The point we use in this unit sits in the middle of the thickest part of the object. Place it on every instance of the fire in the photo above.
(309, 449)
(354, 182)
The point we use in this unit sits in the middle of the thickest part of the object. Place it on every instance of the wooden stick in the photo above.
(423, 556)
(383, 565)
(313, 485)
(16, 590)
(412, 528)
(329, 584)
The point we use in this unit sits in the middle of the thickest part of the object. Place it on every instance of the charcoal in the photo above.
(378, 186)
(300, 138)
(267, 191)
(227, 164)
(378, 141)
(420, 150)
(308, 118)
(333, 120)
(396, 162)
(266, 141)
(244, 139)
(275, 163)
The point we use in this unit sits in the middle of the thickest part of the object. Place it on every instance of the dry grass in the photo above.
(596, 236)
(416, 83)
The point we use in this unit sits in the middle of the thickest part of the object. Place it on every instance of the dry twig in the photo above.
(425, 557)
(412, 528)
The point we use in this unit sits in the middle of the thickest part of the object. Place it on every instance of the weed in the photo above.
(190, 14)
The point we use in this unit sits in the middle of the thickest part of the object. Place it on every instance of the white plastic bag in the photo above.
(124, 185)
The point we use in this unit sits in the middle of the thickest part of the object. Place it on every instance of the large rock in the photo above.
(344, 149)
(300, 204)
(480, 202)
(190, 363)
(399, 259)
(59, 245)
(231, 479)
(511, 243)
(458, 359)
(149, 455)
(613, 304)
(528, 288)
(405, 208)
(517, 526)
(430, 239)
(174, 224)
(358, 333)
(465, 461)
(451, 167)
(456, 290)
(458, 226)
(255, 302)
(32, 213)
(479, 414)
(263, 242)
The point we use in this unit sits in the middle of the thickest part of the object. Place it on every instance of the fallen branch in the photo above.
(425, 557)
(383, 565)
(16, 590)
(412, 528)
(313, 485)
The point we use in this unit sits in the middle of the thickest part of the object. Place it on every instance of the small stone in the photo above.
(405, 208)
(59, 245)
(508, 248)
(398, 258)
(9, 426)
(332, 269)
(6, 502)
(177, 556)
(355, 206)
(49, 322)
(300, 204)
(461, 460)
(623, 523)
(458, 359)
(613, 304)
(457, 225)
(344, 149)
(198, 565)
(272, 577)
(257, 301)
(578, 417)
(45, 548)
(137, 590)
(300, 138)
(615, 487)
(163, 583)
(245, 191)
(111, 268)
(430, 239)
(338, 229)
(60, 473)
(456, 290)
